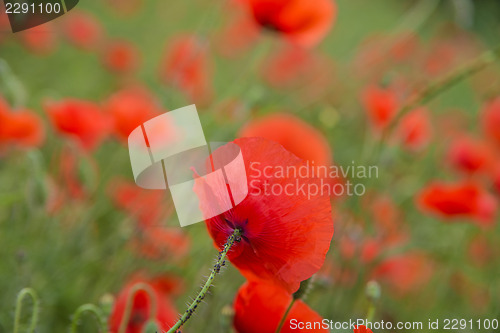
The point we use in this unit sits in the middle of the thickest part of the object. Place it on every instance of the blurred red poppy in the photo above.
(77, 173)
(294, 134)
(470, 155)
(80, 120)
(148, 206)
(161, 243)
(121, 56)
(186, 66)
(404, 273)
(463, 199)
(165, 317)
(21, 128)
(259, 307)
(381, 105)
(83, 30)
(415, 129)
(304, 22)
(491, 120)
(362, 329)
(41, 39)
(129, 108)
(284, 235)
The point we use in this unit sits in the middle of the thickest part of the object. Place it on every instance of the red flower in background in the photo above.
(284, 238)
(259, 307)
(491, 120)
(121, 56)
(80, 120)
(41, 39)
(293, 134)
(21, 128)
(130, 108)
(465, 199)
(381, 105)
(161, 243)
(187, 67)
(145, 205)
(362, 329)
(404, 273)
(470, 155)
(415, 129)
(304, 22)
(166, 315)
(83, 30)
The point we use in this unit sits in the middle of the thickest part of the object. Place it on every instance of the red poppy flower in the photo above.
(415, 129)
(80, 120)
(83, 30)
(129, 108)
(121, 56)
(294, 134)
(465, 199)
(491, 120)
(145, 205)
(20, 128)
(304, 22)
(40, 39)
(470, 155)
(161, 243)
(259, 307)
(380, 104)
(166, 315)
(285, 235)
(404, 273)
(362, 329)
(186, 66)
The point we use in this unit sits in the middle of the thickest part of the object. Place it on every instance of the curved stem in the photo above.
(283, 318)
(235, 237)
(130, 302)
(87, 308)
(19, 305)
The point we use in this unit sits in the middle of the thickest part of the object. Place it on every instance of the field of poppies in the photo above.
(370, 134)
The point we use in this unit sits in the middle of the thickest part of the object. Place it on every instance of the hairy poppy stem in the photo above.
(19, 305)
(130, 303)
(88, 308)
(221, 260)
(282, 321)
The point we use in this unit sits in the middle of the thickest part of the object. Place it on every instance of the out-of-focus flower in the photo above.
(491, 120)
(260, 306)
(147, 206)
(463, 199)
(470, 155)
(294, 134)
(297, 68)
(129, 108)
(304, 22)
(41, 39)
(414, 129)
(186, 66)
(161, 243)
(121, 56)
(83, 30)
(81, 120)
(21, 128)
(362, 329)
(481, 251)
(404, 273)
(380, 104)
(284, 236)
(77, 173)
(165, 317)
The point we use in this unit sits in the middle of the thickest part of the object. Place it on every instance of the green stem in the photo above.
(235, 237)
(87, 308)
(130, 303)
(19, 305)
(282, 321)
